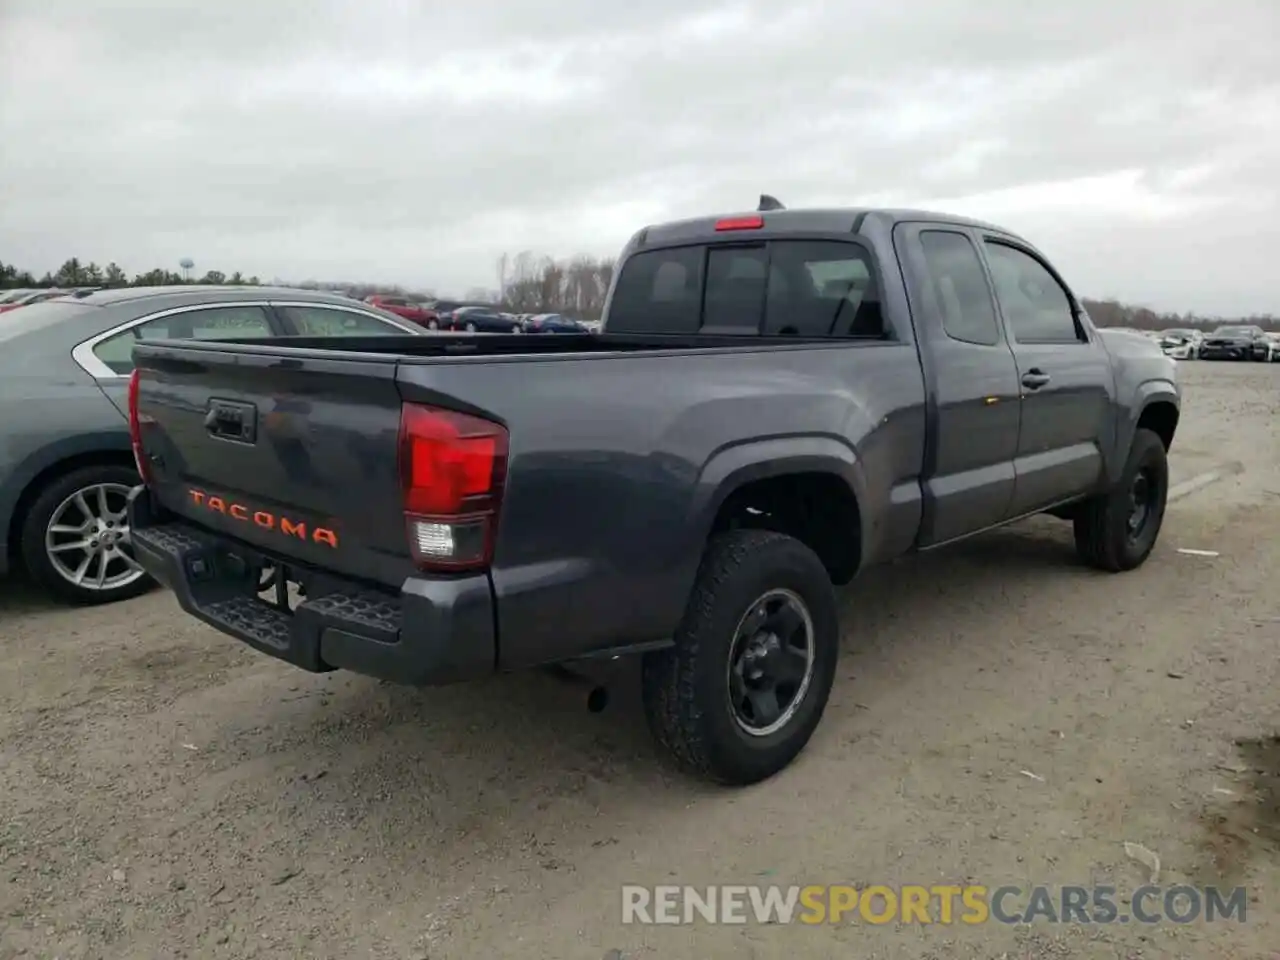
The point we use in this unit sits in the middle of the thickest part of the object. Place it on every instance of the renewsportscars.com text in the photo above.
(970, 905)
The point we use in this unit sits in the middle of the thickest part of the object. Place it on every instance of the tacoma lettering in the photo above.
(264, 519)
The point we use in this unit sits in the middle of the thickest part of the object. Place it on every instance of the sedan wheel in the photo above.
(76, 537)
(471, 328)
(87, 539)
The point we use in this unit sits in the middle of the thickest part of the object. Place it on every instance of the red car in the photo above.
(403, 307)
(33, 297)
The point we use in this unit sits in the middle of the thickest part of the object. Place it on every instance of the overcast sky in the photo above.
(1136, 141)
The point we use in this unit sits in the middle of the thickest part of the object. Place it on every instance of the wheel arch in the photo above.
(788, 480)
(56, 460)
(1156, 406)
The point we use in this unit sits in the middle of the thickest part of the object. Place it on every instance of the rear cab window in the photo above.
(781, 287)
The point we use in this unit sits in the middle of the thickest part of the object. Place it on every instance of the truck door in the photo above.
(972, 380)
(1065, 379)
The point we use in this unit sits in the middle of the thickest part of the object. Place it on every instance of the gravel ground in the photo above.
(167, 793)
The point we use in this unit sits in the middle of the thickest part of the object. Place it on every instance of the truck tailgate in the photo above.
(296, 455)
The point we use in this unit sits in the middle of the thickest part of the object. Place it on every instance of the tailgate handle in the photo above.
(230, 420)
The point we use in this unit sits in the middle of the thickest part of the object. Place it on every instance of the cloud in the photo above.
(391, 140)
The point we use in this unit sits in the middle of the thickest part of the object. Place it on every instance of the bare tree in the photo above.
(539, 284)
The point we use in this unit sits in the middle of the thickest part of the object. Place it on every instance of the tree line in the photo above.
(528, 282)
(1113, 313)
(74, 273)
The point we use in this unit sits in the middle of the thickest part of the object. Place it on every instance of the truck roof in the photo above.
(804, 220)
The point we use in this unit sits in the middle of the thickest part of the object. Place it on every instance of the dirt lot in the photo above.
(167, 793)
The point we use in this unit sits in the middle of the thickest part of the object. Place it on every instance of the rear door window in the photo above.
(805, 288)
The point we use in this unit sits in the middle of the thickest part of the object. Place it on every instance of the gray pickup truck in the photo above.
(777, 400)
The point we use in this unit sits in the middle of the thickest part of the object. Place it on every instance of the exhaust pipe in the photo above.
(597, 694)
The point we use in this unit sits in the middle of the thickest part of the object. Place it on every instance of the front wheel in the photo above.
(743, 688)
(75, 537)
(1117, 530)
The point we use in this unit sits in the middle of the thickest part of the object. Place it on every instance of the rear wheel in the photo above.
(471, 328)
(1117, 530)
(75, 537)
(740, 693)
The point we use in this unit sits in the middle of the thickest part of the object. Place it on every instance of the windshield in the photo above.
(1233, 332)
(1176, 333)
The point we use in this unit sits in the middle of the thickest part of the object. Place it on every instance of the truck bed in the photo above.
(613, 468)
(494, 345)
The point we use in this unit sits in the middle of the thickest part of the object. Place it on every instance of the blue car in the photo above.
(553, 323)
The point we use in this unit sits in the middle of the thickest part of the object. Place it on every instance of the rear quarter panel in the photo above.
(50, 412)
(618, 463)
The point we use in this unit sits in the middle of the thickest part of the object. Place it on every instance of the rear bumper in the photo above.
(429, 632)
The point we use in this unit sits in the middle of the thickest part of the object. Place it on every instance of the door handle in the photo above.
(1034, 379)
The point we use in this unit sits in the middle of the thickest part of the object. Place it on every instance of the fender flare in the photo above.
(732, 467)
(1148, 393)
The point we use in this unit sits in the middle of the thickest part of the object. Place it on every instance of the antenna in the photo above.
(769, 203)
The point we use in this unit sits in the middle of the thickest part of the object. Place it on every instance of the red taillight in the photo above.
(739, 223)
(452, 468)
(135, 429)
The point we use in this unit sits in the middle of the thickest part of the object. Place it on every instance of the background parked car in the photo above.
(36, 296)
(1236, 343)
(483, 320)
(553, 323)
(66, 464)
(445, 310)
(403, 307)
(1181, 344)
(1273, 347)
(12, 296)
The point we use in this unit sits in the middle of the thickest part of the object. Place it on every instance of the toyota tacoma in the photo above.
(777, 400)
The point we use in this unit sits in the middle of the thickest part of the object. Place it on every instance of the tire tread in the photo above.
(670, 677)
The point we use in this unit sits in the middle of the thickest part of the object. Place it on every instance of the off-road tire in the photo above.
(1101, 524)
(685, 687)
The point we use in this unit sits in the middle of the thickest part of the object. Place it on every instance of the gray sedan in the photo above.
(66, 465)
